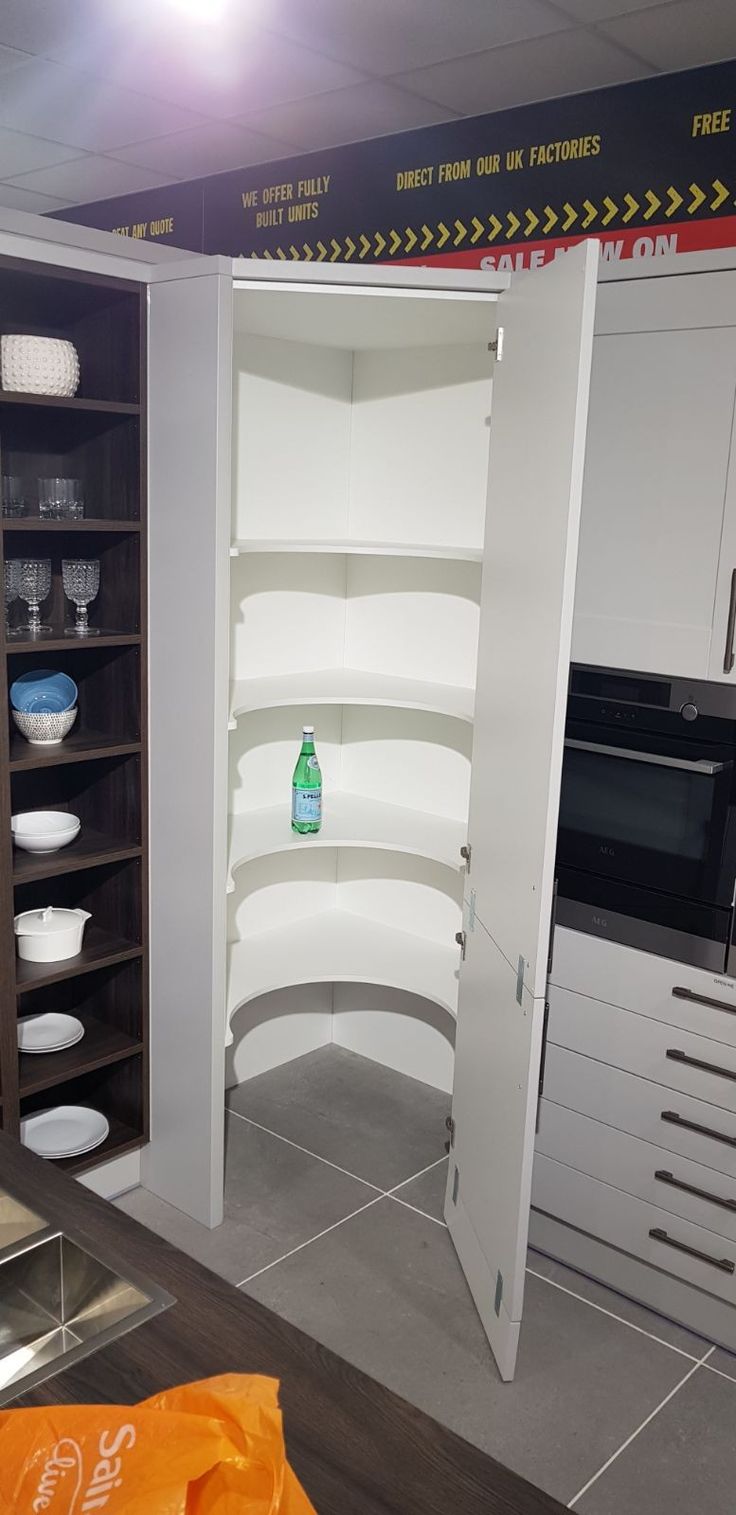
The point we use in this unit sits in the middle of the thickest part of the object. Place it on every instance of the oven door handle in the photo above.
(657, 759)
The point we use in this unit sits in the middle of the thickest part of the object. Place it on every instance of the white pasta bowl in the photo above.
(45, 728)
(44, 830)
(39, 365)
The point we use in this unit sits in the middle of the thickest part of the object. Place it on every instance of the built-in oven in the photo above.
(647, 836)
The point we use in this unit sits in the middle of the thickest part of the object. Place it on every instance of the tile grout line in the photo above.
(701, 1362)
(416, 1211)
(375, 1187)
(729, 1377)
(310, 1239)
(415, 1176)
(612, 1316)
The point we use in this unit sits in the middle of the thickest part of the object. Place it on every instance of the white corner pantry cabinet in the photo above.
(367, 484)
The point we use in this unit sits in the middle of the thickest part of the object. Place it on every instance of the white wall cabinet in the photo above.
(658, 534)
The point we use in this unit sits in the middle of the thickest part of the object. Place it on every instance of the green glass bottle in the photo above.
(306, 788)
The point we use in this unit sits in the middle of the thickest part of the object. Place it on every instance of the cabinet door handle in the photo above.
(728, 653)
(673, 1119)
(703, 999)
(675, 1055)
(724, 1264)
(678, 1183)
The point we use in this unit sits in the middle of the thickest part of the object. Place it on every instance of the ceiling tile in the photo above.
(682, 34)
(372, 109)
(203, 150)
(91, 178)
(48, 100)
(15, 198)
(45, 26)
(20, 154)
(386, 36)
(537, 70)
(587, 12)
(11, 58)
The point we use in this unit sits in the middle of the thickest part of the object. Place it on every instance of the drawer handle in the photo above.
(677, 1183)
(724, 1264)
(677, 1056)
(703, 999)
(673, 1119)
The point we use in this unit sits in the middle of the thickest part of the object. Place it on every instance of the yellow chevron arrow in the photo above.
(531, 222)
(365, 245)
(444, 234)
(395, 242)
(611, 209)
(632, 207)
(591, 213)
(380, 244)
(335, 249)
(411, 238)
(721, 194)
(349, 248)
(267, 254)
(280, 253)
(513, 226)
(495, 226)
(322, 251)
(570, 215)
(675, 201)
(294, 252)
(697, 199)
(427, 238)
(308, 254)
(478, 229)
(460, 233)
(653, 202)
(552, 218)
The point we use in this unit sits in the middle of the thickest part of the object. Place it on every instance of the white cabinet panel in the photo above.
(722, 665)
(659, 433)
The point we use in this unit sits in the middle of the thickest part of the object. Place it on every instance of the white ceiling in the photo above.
(103, 97)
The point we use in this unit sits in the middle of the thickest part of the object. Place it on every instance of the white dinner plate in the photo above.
(64, 1131)
(48, 1033)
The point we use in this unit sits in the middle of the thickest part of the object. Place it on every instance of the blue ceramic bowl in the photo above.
(42, 689)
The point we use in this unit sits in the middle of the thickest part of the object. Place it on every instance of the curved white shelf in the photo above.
(349, 686)
(350, 820)
(336, 946)
(357, 548)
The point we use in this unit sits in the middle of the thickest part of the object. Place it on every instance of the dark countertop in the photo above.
(357, 1448)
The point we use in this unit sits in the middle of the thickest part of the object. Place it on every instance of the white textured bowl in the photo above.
(39, 365)
(45, 728)
(44, 830)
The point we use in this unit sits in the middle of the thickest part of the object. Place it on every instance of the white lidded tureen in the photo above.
(51, 934)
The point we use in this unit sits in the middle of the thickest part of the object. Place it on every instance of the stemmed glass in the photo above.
(34, 585)
(81, 580)
(11, 575)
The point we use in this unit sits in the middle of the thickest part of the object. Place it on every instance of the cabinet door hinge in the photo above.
(465, 853)
(520, 981)
(461, 940)
(497, 347)
(450, 1126)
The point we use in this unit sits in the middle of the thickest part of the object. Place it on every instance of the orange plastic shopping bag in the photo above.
(209, 1448)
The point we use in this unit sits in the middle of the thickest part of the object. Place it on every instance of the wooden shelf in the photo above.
(90, 523)
(337, 946)
(349, 686)
(100, 1046)
(89, 850)
(350, 820)
(73, 644)
(121, 1139)
(100, 950)
(69, 402)
(357, 548)
(78, 747)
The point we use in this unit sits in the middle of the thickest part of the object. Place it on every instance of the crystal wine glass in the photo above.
(11, 574)
(34, 585)
(81, 580)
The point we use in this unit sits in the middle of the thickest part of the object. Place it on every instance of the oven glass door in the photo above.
(655, 814)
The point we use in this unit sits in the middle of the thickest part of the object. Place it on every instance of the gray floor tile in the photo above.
(618, 1304)
(724, 1362)
(276, 1197)
(682, 1463)
(427, 1193)
(385, 1291)
(354, 1112)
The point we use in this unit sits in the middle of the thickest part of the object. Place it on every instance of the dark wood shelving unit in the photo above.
(99, 771)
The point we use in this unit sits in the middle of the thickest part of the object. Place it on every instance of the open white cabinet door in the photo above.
(538, 423)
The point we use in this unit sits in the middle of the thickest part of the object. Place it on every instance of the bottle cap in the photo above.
(308, 730)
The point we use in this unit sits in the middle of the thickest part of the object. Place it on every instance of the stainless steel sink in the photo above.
(17, 1222)
(58, 1303)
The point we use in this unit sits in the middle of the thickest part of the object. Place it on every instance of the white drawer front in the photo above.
(646, 1047)
(626, 1222)
(673, 1183)
(644, 984)
(693, 1130)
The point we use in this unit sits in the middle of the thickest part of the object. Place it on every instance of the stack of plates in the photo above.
(65, 1131)
(48, 1033)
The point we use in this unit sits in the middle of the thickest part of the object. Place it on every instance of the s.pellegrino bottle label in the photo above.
(306, 788)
